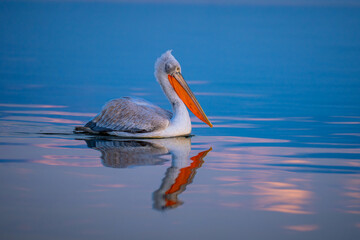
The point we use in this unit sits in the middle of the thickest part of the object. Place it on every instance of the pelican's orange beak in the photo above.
(183, 91)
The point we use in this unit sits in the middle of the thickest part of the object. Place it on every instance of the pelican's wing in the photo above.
(131, 115)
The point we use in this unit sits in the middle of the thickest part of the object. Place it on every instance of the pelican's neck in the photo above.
(181, 116)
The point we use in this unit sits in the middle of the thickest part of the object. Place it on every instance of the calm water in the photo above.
(280, 84)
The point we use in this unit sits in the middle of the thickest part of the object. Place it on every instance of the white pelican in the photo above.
(137, 118)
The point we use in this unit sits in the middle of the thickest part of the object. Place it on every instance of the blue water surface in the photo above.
(281, 85)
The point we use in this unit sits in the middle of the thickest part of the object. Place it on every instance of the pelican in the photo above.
(138, 118)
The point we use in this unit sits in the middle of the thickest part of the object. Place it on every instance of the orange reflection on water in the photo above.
(169, 192)
(282, 197)
(184, 178)
(186, 174)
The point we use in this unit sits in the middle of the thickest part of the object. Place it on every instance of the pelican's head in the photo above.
(165, 65)
(168, 74)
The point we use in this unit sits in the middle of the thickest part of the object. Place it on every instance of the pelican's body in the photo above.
(137, 118)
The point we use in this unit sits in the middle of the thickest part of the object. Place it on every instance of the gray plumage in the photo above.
(129, 153)
(131, 115)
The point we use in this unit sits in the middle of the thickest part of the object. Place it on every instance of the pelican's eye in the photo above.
(177, 69)
(167, 68)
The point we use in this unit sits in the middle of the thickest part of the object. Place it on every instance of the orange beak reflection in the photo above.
(183, 91)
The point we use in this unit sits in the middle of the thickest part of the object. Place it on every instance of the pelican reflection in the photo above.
(127, 153)
(130, 152)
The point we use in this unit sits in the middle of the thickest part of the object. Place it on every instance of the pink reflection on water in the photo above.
(59, 144)
(346, 116)
(347, 134)
(42, 119)
(302, 228)
(352, 192)
(70, 161)
(276, 196)
(285, 151)
(267, 187)
(236, 158)
(31, 105)
(332, 144)
(353, 163)
(75, 114)
(282, 197)
(296, 161)
(343, 122)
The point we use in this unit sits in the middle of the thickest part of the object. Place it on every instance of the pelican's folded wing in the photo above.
(131, 115)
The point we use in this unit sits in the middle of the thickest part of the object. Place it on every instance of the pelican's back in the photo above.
(130, 115)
